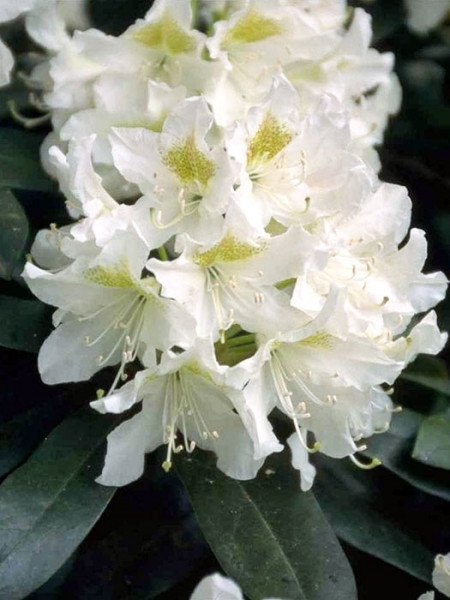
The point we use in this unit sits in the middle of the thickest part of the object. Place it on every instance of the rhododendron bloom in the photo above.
(233, 254)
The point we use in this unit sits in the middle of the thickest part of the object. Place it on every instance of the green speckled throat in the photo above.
(253, 27)
(166, 34)
(189, 164)
(228, 250)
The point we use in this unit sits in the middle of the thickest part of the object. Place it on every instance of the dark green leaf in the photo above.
(432, 445)
(13, 233)
(268, 535)
(20, 435)
(145, 543)
(24, 324)
(430, 372)
(358, 505)
(20, 163)
(425, 78)
(48, 505)
(394, 448)
(387, 18)
(433, 383)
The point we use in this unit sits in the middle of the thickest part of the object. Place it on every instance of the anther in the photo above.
(375, 462)
(167, 465)
(215, 435)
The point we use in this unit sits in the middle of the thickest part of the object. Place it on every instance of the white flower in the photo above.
(187, 177)
(121, 101)
(108, 314)
(9, 11)
(423, 16)
(218, 587)
(287, 162)
(384, 286)
(252, 44)
(46, 22)
(6, 64)
(232, 280)
(326, 385)
(185, 403)
(441, 574)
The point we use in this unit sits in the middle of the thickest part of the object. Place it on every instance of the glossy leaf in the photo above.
(20, 435)
(432, 445)
(144, 544)
(370, 510)
(268, 535)
(394, 449)
(24, 324)
(48, 505)
(20, 162)
(429, 372)
(13, 233)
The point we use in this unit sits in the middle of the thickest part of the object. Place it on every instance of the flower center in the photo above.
(167, 35)
(252, 27)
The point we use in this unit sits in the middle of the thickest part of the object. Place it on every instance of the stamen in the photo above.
(375, 462)
(382, 429)
(27, 122)
(311, 450)
(156, 219)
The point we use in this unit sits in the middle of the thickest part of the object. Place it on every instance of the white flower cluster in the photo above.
(234, 250)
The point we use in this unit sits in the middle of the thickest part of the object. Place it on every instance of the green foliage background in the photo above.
(64, 537)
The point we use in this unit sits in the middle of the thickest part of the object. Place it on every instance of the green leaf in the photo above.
(20, 163)
(387, 18)
(394, 448)
(359, 507)
(13, 233)
(48, 505)
(146, 543)
(24, 324)
(20, 435)
(433, 383)
(432, 445)
(429, 372)
(268, 535)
